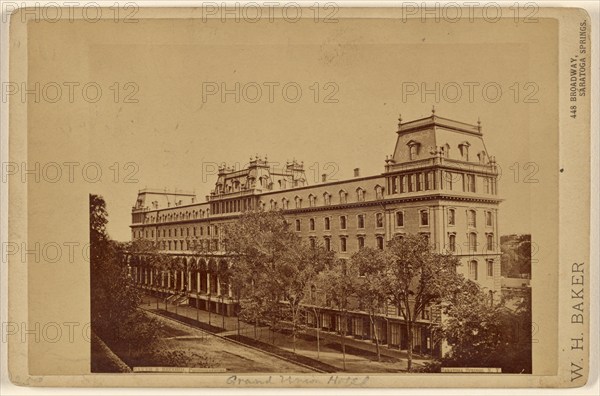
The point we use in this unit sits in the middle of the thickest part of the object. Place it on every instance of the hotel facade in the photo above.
(440, 182)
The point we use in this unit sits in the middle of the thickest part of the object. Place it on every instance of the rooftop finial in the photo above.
(433, 110)
(399, 119)
(478, 123)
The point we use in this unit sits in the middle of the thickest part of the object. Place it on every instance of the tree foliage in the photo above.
(481, 333)
(114, 297)
(300, 269)
(415, 277)
(371, 289)
(339, 281)
(516, 255)
(271, 268)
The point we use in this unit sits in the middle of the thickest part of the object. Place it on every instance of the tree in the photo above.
(516, 255)
(339, 283)
(417, 278)
(155, 260)
(299, 271)
(370, 290)
(271, 268)
(472, 328)
(114, 297)
(486, 334)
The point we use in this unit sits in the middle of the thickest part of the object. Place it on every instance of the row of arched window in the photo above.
(175, 232)
(177, 216)
(472, 242)
(198, 244)
(343, 222)
(474, 273)
(430, 180)
(380, 242)
(324, 199)
(343, 242)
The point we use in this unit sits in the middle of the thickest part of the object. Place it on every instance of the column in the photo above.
(198, 282)
(208, 282)
(189, 287)
(388, 218)
(229, 292)
(169, 280)
(151, 277)
(181, 287)
(218, 285)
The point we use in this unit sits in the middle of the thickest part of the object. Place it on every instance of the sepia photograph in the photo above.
(250, 195)
(395, 257)
(399, 271)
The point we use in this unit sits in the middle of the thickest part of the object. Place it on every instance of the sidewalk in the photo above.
(360, 356)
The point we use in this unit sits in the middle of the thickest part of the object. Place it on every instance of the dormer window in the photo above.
(413, 149)
(464, 150)
(481, 157)
(446, 150)
(360, 194)
(378, 192)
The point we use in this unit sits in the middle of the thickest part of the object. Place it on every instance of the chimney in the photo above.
(324, 177)
(356, 172)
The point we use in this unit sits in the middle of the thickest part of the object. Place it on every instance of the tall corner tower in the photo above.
(443, 165)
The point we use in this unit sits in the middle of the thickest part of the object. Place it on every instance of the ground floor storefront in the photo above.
(314, 343)
(390, 332)
(387, 331)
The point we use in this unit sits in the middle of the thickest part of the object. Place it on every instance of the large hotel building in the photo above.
(440, 182)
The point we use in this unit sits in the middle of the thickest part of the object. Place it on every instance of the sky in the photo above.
(161, 124)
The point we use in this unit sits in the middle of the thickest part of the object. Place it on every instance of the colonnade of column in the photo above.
(201, 282)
